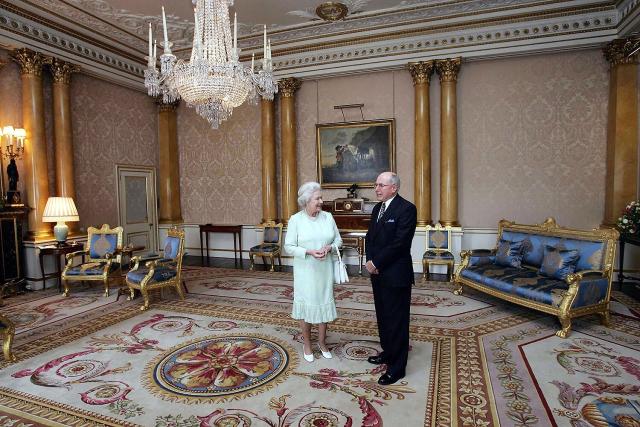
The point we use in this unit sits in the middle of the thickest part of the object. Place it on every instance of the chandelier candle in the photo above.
(149, 62)
(167, 49)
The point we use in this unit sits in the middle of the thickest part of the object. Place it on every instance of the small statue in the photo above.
(352, 191)
(12, 173)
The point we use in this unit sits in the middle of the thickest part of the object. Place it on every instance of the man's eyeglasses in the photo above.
(382, 185)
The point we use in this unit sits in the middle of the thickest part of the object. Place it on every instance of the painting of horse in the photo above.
(354, 152)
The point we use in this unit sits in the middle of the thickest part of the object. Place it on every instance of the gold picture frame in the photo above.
(354, 152)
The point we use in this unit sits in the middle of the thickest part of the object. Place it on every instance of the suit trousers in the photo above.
(392, 314)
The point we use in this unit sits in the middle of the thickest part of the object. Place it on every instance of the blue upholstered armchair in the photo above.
(271, 245)
(101, 259)
(438, 249)
(7, 331)
(159, 273)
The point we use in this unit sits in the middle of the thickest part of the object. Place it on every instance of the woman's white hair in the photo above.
(305, 192)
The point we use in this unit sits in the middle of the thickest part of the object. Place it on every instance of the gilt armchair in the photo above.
(101, 259)
(7, 331)
(271, 245)
(159, 273)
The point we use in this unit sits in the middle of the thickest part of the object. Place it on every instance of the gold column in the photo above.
(448, 71)
(421, 75)
(269, 196)
(2, 184)
(288, 170)
(35, 150)
(170, 211)
(62, 131)
(622, 130)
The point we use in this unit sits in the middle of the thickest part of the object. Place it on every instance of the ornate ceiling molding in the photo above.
(111, 43)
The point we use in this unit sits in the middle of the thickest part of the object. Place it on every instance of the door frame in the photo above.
(154, 188)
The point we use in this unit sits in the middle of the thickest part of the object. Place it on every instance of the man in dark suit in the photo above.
(388, 245)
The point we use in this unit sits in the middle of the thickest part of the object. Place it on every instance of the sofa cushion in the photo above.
(509, 253)
(160, 274)
(558, 263)
(591, 251)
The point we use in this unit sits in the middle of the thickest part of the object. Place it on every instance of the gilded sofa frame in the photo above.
(6, 334)
(108, 260)
(146, 284)
(564, 312)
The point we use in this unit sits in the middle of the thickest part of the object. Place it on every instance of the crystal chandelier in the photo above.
(213, 80)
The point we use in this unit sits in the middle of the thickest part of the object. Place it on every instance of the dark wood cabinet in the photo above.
(11, 251)
(350, 214)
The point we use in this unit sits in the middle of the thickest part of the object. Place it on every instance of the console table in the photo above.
(213, 228)
(58, 252)
(632, 240)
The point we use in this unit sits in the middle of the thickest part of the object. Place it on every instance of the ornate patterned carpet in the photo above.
(229, 355)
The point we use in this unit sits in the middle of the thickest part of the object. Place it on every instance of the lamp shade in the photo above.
(60, 209)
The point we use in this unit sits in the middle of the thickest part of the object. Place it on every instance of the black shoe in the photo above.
(376, 360)
(387, 379)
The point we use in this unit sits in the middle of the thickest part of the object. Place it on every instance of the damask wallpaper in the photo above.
(221, 171)
(111, 125)
(532, 139)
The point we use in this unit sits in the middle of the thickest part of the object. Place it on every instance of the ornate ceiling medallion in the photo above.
(332, 11)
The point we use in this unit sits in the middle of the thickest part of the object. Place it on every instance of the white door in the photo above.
(137, 205)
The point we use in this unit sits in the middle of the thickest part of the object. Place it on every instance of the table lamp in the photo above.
(60, 209)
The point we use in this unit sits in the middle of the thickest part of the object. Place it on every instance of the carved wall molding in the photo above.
(111, 43)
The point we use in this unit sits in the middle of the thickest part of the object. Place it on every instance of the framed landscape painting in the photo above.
(354, 152)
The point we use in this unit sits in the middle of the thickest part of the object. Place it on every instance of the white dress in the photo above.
(312, 278)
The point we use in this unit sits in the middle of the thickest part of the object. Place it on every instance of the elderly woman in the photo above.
(311, 234)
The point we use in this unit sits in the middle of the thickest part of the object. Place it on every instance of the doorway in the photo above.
(137, 209)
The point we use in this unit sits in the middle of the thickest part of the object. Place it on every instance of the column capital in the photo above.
(30, 62)
(289, 86)
(166, 106)
(61, 71)
(619, 51)
(448, 69)
(421, 71)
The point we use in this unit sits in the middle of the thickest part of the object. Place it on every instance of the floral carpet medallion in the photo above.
(220, 366)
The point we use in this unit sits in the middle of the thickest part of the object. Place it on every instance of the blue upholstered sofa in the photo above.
(560, 271)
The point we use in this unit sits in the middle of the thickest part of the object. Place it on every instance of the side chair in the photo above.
(102, 259)
(7, 331)
(271, 245)
(438, 249)
(159, 273)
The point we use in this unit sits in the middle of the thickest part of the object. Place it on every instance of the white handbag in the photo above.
(340, 270)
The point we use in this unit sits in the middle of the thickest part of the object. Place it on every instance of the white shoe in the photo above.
(307, 357)
(325, 354)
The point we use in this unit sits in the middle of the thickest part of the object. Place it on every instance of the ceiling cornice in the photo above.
(390, 39)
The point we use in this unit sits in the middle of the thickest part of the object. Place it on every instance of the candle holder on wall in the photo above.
(11, 148)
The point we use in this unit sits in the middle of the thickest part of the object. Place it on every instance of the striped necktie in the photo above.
(381, 212)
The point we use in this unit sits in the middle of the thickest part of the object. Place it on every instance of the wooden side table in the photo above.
(213, 228)
(58, 252)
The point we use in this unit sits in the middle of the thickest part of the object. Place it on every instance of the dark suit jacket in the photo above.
(388, 243)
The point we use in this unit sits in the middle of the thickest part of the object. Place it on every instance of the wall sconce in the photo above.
(11, 150)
